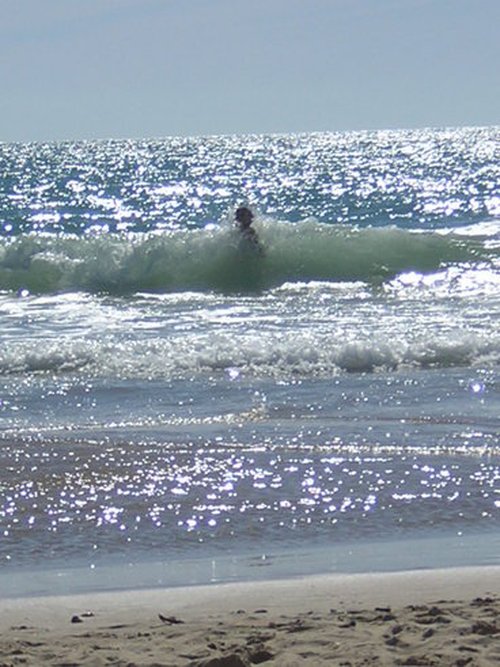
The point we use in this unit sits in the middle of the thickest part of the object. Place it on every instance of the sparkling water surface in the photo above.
(409, 178)
(165, 399)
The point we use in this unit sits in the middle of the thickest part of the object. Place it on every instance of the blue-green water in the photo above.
(166, 396)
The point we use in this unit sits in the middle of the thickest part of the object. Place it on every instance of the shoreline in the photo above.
(424, 552)
(450, 613)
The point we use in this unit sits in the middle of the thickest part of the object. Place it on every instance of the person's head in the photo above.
(244, 216)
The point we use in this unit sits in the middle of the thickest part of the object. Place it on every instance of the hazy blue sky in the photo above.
(146, 68)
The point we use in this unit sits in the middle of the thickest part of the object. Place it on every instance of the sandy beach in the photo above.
(429, 617)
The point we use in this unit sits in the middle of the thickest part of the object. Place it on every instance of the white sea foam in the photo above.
(282, 356)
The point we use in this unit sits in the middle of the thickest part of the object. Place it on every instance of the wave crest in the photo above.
(213, 258)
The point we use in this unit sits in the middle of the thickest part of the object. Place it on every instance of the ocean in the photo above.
(177, 409)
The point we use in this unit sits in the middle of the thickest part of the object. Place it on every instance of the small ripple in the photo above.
(87, 498)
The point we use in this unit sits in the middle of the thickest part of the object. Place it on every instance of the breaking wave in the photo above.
(213, 259)
(285, 356)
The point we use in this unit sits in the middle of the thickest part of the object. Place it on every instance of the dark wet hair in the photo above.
(242, 212)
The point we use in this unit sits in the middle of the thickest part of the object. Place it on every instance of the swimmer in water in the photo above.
(244, 219)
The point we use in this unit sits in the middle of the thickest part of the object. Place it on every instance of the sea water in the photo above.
(177, 409)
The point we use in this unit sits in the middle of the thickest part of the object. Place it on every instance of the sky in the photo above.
(93, 69)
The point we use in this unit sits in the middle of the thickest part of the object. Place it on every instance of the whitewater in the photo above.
(188, 411)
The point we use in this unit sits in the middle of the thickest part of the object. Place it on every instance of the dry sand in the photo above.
(436, 617)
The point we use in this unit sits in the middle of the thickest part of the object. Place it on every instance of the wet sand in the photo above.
(428, 617)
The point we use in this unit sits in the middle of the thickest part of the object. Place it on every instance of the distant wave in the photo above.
(214, 259)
